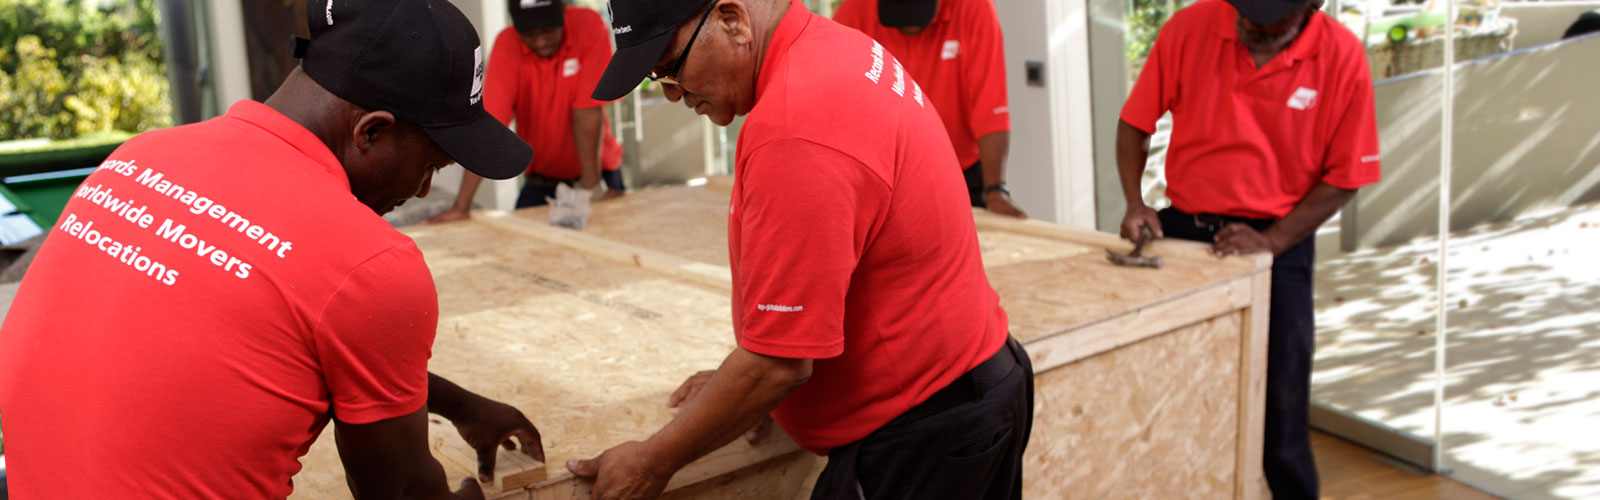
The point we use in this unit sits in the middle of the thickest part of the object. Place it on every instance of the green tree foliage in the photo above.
(1144, 20)
(71, 67)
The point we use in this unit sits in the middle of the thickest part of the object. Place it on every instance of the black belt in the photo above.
(1215, 222)
(969, 386)
(547, 182)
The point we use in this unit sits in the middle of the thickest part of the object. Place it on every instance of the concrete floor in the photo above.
(1523, 351)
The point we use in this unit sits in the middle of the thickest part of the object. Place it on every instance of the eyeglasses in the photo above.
(669, 76)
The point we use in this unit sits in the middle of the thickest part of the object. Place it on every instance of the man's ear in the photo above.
(372, 127)
(733, 16)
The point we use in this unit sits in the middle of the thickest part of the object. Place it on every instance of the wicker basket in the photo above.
(1390, 60)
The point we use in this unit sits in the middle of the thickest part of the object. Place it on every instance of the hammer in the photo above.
(1134, 259)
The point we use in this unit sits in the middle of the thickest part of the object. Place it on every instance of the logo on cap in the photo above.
(477, 76)
(534, 4)
(328, 11)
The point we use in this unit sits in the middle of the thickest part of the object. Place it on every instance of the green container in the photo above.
(43, 199)
(40, 175)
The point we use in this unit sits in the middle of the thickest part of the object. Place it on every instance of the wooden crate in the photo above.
(1141, 374)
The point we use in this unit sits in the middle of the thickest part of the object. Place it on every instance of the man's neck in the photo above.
(772, 14)
(301, 99)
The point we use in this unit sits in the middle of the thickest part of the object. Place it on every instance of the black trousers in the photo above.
(965, 442)
(974, 175)
(1286, 457)
(538, 187)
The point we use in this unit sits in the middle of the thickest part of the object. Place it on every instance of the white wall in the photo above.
(488, 17)
(1051, 167)
(1543, 22)
(1524, 141)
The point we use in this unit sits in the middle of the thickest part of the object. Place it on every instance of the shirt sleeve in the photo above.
(595, 53)
(1157, 88)
(851, 13)
(806, 213)
(983, 72)
(500, 81)
(375, 336)
(1353, 158)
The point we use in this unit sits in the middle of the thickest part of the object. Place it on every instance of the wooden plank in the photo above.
(1251, 480)
(1154, 419)
(686, 222)
(513, 470)
(1164, 247)
(1350, 472)
(1081, 341)
(775, 469)
(697, 272)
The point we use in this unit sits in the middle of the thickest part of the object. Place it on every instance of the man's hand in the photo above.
(1137, 218)
(487, 424)
(1240, 239)
(468, 491)
(450, 215)
(622, 473)
(759, 433)
(998, 202)
(688, 390)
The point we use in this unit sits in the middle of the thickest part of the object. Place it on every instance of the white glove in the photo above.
(570, 207)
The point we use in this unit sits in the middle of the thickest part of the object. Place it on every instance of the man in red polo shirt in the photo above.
(1273, 131)
(214, 294)
(866, 326)
(540, 74)
(954, 49)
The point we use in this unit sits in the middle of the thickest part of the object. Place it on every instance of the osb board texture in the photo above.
(688, 222)
(788, 477)
(1155, 419)
(1048, 285)
(542, 327)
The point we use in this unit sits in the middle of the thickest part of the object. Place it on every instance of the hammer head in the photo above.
(1137, 258)
(1132, 261)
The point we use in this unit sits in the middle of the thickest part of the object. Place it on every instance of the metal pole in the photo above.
(1446, 132)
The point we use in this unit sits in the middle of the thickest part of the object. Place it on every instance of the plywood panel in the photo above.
(685, 221)
(1148, 420)
(784, 478)
(1051, 278)
(587, 332)
(538, 326)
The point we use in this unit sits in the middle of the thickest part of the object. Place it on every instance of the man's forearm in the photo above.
(741, 393)
(588, 127)
(445, 398)
(1316, 208)
(993, 150)
(1133, 150)
(469, 188)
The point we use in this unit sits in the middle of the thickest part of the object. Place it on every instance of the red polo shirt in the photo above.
(1251, 142)
(541, 93)
(850, 237)
(960, 61)
(207, 298)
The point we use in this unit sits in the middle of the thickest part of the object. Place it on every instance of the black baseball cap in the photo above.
(418, 59)
(1267, 11)
(529, 15)
(643, 29)
(907, 13)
